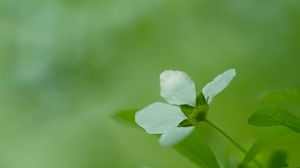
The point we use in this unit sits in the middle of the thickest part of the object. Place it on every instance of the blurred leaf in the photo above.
(126, 117)
(187, 109)
(283, 97)
(185, 123)
(219, 145)
(263, 141)
(200, 100)
(197, 151)
(278, 160)
(193, 147)
(268, 117)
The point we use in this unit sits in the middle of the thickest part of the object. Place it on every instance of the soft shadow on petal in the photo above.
(177, 88)
(218, 84)
(159, 117)
(175, 135)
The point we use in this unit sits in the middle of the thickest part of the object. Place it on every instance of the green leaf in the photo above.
(185, 123)
(187, 109)
(278, 160)
(197, 151)
(268, 117)
(193, 147)
(200, 100)
(126, 117)
(282, 97)
(262, 142)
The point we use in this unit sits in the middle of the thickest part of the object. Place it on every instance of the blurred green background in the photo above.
(67, 66)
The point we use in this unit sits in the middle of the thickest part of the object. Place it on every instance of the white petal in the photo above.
(218, 84)
(175, 135)
(177, 88)
(159, 117)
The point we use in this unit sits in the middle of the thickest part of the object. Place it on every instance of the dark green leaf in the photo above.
(262, 142)
(193, 147)
(275, 117)
(186, 109)
(282, 97)
(185, 123)
(200, 100)
(278, 160)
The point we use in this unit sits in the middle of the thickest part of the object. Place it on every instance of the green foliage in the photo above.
(196, 150)
(193, 147)
(278, 159)
(66, 64)
(187, 109)
(185, 123)
(200, 100)
(275, 116)
(263, 141)
(282, 97)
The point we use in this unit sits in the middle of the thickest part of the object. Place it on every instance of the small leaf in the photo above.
(200, 100)
(126, 117)
(278, 160)
(268, 117)
(185, 123)
(262, 142)
(282, 97)
(187, 109)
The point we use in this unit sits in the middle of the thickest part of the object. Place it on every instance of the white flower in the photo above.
(177, 89)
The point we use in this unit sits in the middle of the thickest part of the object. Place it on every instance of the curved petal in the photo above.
(218, 84)
(176, 87)
(159, 117)
(175, 135)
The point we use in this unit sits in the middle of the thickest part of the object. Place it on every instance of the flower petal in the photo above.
(159, 117)
(175, 135)
(218, 84)
(176, 87)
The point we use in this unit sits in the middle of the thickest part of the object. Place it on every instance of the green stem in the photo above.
(231, 140)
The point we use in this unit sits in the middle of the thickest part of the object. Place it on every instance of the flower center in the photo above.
(198, 114)
(195, 115)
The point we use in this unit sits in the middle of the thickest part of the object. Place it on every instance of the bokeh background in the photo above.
(67, 66)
